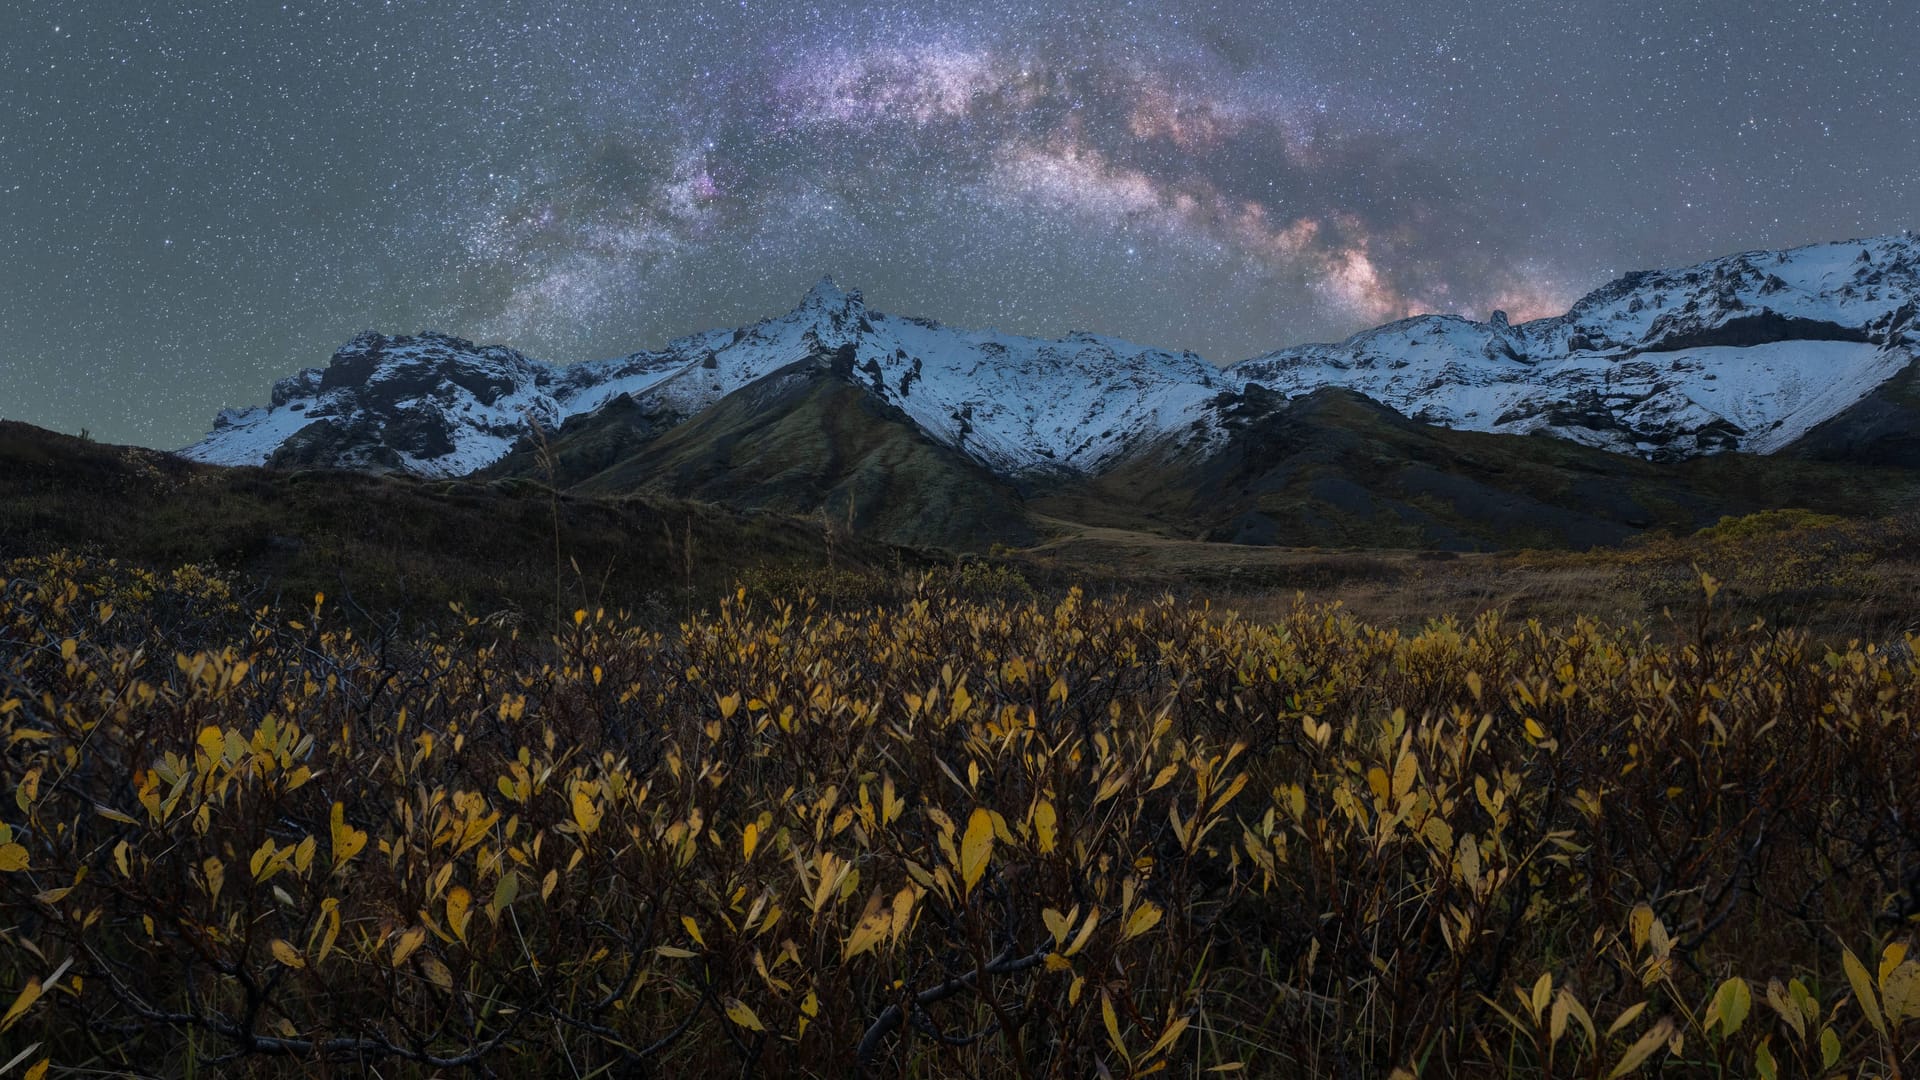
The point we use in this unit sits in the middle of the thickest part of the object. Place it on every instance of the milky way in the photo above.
(199, 199)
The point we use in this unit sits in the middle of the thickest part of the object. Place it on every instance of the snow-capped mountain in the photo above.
(1746, 352)
(440, 406)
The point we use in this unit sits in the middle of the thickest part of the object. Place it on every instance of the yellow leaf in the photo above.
(676, 952)
(284, 952)
(1467, 857)
(13, 858)
(1144, 918)
(1168, 1037)
(1057, 924)
(409, 941)
(459, 911)
(1086, 931)
(347, 840)
(693, 930)
(902, 911)
(1777, 998)
(1890, 959)
(1641, 1050)
(1378, 783)
(1862, 989)
(1627, 1016)
(330, 914)
(976, 847)
(1238, 785)
(38, 1071)
(749, 840)
(1404, 774)
(741, 1013)
(1640, 924)
(1045, 821)
(869, 931)
(1112, 1022)
(585, 814)
(1534, 729)
(1900, 992)
(28, 995)
(262, 864)
(1163, 777)
(437, 972)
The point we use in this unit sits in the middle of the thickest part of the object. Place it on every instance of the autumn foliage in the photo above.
(945, 836)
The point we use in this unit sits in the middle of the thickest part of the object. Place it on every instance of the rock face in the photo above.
(1750, 352)
(430, 404)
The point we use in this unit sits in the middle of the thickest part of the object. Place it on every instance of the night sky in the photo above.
(198, 198)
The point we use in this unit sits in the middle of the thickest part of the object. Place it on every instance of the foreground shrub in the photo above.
(945, 837)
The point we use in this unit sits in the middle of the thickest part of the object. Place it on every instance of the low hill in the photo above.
(1333, 468)
(393, 542)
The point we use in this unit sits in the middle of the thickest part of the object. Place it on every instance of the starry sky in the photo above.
(200, 196)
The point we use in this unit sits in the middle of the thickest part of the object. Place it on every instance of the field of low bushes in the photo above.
(968, 831)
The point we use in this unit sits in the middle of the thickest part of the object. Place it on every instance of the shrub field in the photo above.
(970, 832)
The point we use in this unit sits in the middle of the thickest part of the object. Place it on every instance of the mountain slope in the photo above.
(1748, 352)
(1880, 429)
(1334, 468)
(808, 439)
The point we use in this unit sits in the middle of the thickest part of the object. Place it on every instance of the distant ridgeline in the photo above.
(927, 433)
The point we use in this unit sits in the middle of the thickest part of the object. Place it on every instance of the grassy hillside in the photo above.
(384, 543)
(1333, 468)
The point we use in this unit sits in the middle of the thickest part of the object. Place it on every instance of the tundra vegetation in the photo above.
(969, 830)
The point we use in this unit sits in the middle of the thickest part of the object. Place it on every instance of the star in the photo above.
(587, 179)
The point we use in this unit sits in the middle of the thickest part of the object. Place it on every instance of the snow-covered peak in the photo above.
(1743, 352)
(429, 403)
(825, 295)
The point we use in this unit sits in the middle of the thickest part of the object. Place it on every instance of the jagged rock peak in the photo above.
(827, 295)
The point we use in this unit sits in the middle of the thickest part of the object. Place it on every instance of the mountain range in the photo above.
(1663, 398)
